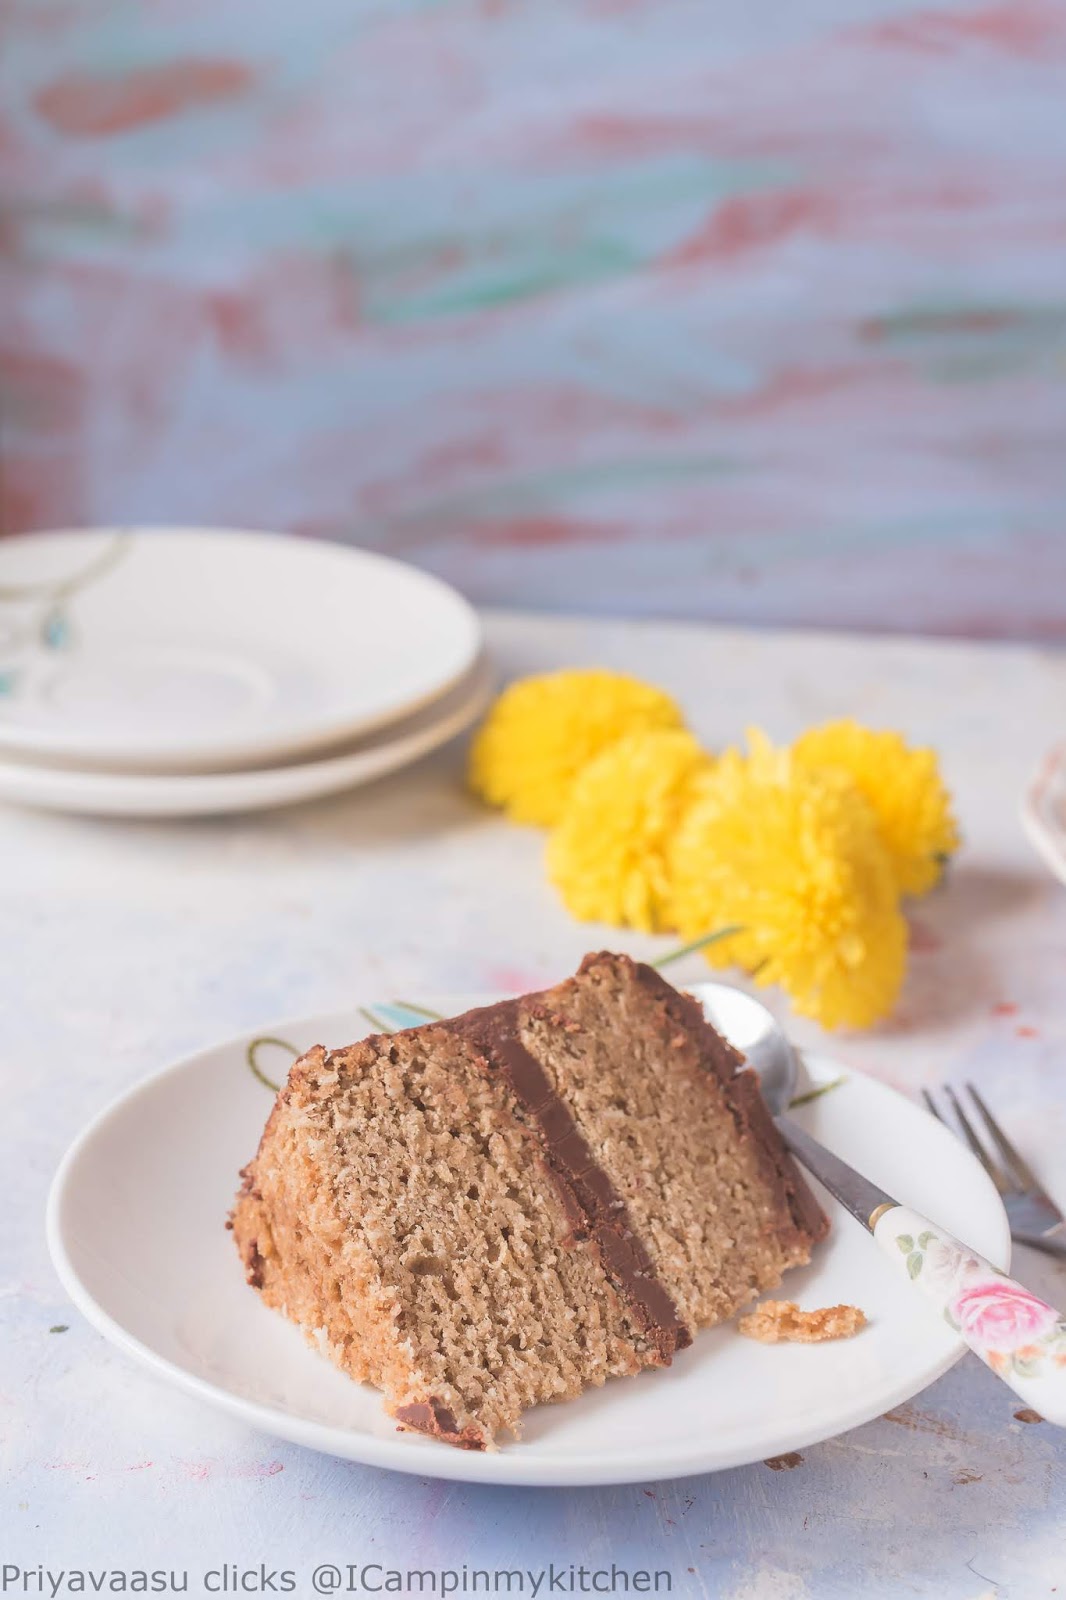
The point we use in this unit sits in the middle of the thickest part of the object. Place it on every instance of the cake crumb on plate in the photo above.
(775, 1320)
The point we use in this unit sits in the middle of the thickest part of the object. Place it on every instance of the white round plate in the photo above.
(192, 648)
(1044, 810)
(198, 794)
(135, 1227)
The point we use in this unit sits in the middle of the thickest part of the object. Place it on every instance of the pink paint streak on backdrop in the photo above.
(768, 329)
(90, 105)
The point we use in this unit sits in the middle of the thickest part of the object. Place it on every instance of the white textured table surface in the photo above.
(123, 946)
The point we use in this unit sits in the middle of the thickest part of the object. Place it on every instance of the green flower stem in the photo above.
(815, 1094)
(697, 944)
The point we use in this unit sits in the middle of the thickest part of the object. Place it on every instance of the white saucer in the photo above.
(136, 1230)
(134, 794)
(190, 648)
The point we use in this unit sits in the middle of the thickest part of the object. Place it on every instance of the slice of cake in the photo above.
(486, 1213)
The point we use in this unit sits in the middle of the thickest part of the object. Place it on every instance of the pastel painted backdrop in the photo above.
(739, 311)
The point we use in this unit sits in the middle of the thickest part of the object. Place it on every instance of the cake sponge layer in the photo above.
(507, 1208)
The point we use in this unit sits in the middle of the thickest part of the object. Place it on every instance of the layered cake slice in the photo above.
(483, 1214)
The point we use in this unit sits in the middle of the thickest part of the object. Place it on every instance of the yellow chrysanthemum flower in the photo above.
(607, 857)
(905, 789)
(792, 856)
(543, 730)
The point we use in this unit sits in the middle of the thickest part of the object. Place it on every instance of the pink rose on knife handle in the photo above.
(1001, 1316)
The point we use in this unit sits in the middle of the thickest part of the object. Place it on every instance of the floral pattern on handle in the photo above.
(1016, 1333)
(1013, 1327)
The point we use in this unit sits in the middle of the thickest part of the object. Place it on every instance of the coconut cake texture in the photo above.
(505, 1208)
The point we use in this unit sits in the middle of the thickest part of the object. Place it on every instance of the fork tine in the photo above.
(932, 1105)
(1016, 1165)
(994, 1172)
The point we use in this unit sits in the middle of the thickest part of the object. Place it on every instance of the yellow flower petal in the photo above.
(543, 730)
(607, 857)
(794, 858)
(905, 789)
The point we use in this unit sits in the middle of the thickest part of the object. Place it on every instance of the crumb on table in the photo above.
(775, 1320)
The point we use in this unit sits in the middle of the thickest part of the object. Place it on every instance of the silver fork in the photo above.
(1034, 1217)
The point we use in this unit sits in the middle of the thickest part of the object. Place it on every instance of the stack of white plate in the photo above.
(191, 671)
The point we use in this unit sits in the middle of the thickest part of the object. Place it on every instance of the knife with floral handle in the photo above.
(1017, 1334)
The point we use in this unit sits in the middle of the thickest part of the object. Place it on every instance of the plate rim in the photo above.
(25, 743)
(186, 794)
(426, 1458)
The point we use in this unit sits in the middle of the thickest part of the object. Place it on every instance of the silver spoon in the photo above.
(1020, 1336)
